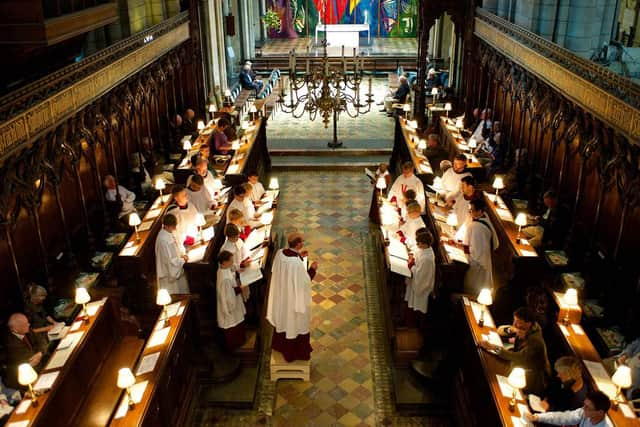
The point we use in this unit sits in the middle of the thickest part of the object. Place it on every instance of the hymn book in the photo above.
(250, 274)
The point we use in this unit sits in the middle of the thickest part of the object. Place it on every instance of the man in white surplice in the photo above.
(480, 241)
(289, 303)
(423, 274)
(405, 182)
(170, 258)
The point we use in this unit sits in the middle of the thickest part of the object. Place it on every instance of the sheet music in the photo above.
(399, 266)
(129, 251)
(397, 249)
(601, 378)
(456, 253)
(207, 234)
(152, 213)
(60, 356)
(577, 329)
(250, 274)
(477, 310)
(23, 406)
(45, 381)
(158, 337)
(148, 363)
(264, 208)
(172, 309)
(24, 423)
(493, 338)
(506, 389)
(256, 256)
(92, 307)
(626, 410)
(564, 330)
(233, 169)
(197, 254)
(146, 225)
(137, 392)
(255, 238)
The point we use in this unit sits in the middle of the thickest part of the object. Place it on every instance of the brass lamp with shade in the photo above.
(517, 380)
(498, 184)
(200, 125)
(212, 108)
(381, 184)
(227, 98)
(452, 220)
(434, 93)
(484, 298)
(459, 123)
(134, 221)
(472, 144)
(126, 380)
(521, 221)
(570, 298)
(163, 298)
(82, 297)
(448, 107)
(160, 185)
(273, 184)
(622, 379)
(422, 144)
(253, 112)
(406, 108)
(186, 144)
(27, 376)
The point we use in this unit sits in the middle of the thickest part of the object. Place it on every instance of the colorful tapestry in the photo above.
(386, 18)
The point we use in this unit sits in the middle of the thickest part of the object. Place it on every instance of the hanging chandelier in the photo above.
(326, 90)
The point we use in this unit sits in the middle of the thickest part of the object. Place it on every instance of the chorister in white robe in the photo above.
(452, 183)
(257, 191)
(403, 184)
(200, 199)
(247, 214)
(238, 249)
(482, 240)
(230, 307)
(409, 229)
(209, 184)
(422, 280)
(127, 197)
(170, 264)
(187, 224)
(289, 300)
(461, 209)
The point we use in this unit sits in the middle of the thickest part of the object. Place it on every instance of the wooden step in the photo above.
(281, 369)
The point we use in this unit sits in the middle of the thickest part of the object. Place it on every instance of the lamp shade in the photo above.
(571, 297)
(448, 107)
(273, 184)
(134, 219)
(253, 109)
(82, 296)
(434, 91)
(162, 297)
(227, 93)
(517, 378)
(26, 374)
(406, 108)
(484, 297)
(459, 123)
(200, 220)
(186, 144)
(235, 145)
(266, 218)
(498, 183)
(422, 144)
(381, 183)
(125, 378)
(452, 219)
(160, 185)
(521, 219)
(200, 125)
(621, 377)
(212, 108)
(472, 143)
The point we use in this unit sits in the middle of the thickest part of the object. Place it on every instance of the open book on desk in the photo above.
(250, 274)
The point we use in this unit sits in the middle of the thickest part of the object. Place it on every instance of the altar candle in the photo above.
(370, 85)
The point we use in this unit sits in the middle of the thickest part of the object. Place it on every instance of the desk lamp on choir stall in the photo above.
(406, 108)
(227, 98)
(447, 108)
(273, 184)
(200, 125)
(126, 380)
(517, 380)
(622, 379)
(381, 184)
(422, 145)
(27, 376)
(472, 144)
(160, 185)
(459, 123)
(521, 221)
(485, 299)
(134, 221)
(498, 184)
(434, 92)
(570, 299)
(186, 144)
(163, 299)
(452, 220)
(82, 297)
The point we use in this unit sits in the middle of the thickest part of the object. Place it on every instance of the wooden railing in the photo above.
(55, 8)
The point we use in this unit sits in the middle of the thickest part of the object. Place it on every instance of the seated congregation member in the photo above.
(9, 398)
(423, 273)
(23, 346)
(121, 195)
(435, 152)
(142, 166)
(236, 247)
(568, 390)
(236, 217)
(289, 300)
(170, 258)
(483, 129)
(552, 227)
(491, 152)
(220, 141)
(452, 177)
(257, 189)
(189, 127)
(630, 356)
(480, 241)
(592, 414)
(186, 214)
(209, 178)
(460, 204)
(41, 321)
(248, 216)
(414, 222)
(398, 97)
(529, 350)
(405, 182)
(230, 309)
(198, 195)
(248, 79)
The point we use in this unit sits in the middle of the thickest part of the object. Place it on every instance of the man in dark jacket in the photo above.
(23, 346)
(529, 350)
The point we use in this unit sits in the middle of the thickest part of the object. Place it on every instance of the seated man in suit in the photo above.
(23, 346)
(248, 80)
(399, 97)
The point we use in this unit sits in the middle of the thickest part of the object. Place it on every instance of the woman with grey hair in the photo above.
(569, 389)
(41, 321)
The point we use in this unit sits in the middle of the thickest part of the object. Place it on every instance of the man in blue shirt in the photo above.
(592, 414)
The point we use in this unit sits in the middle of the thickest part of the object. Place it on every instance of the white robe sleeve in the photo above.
(423, 272)
(226, 295)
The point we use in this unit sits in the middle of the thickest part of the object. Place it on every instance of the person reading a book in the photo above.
(568, 390)
(423, 276)
(257, 189)
(41, 321)
(592, 414)
(230, 306)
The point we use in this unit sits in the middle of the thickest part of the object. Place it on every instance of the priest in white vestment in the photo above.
(198, 195)
(170, 258)
(453, 176)
(186, 213)
(480, 241)
(230, 309)
(257, 189)
(405, 182)
(289, 300)
(423, 274)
